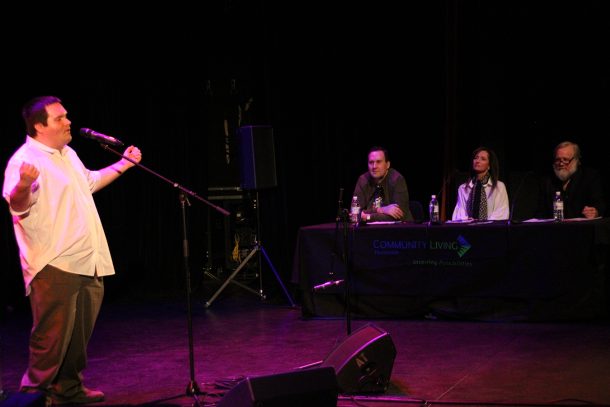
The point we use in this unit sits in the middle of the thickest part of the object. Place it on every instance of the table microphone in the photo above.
(340, 205)
(512, 208)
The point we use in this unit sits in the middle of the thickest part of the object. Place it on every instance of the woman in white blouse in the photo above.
(483, 196)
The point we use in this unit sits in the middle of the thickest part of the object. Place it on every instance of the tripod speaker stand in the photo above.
(257, 171)
(259, 249)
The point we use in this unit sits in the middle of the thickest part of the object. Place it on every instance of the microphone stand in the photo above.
(340, 205)
(192, 389)
(343, 218)
(442, 193)
(338, 219)
(516, 195)
(348, 265)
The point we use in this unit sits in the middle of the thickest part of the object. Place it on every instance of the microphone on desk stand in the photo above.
(512, 207)
(446, 180)
(340, 213)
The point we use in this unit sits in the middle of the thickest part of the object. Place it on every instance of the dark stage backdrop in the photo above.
(431, 83)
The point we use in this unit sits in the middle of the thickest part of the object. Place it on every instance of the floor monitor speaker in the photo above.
(18, 399)
(363, 361)
(301, 388)
(257, 157)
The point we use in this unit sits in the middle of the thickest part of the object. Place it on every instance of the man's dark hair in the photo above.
(35, 111)
(379, 148)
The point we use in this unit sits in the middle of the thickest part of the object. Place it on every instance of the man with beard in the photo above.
(581, 188)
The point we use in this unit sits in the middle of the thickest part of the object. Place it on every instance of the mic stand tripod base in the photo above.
(192, 390)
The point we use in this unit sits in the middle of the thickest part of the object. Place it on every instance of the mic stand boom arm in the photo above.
(192, 389)
(169, 181)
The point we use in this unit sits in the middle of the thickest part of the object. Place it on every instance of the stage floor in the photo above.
(139, 354)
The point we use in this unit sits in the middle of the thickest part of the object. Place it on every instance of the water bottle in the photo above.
(433, 211)
(557, 207)
(354, 212)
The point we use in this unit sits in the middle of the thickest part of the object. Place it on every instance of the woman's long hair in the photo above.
(494, 165)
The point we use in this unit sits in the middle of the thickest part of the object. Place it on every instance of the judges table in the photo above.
(487, 271)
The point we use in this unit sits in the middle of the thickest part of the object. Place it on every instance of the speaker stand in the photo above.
(258, 248)
(245, 287)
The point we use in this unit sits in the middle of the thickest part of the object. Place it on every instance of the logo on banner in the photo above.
(460, 246)
(464, 245)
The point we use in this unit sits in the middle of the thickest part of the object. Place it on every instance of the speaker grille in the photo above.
(257, 157)
(363, 362)
(302, 388)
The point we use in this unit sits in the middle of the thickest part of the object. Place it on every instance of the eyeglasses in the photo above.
(562, 161)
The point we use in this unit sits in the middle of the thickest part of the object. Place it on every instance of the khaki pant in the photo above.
(65, 307)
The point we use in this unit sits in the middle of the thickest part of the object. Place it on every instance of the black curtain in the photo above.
(332, 82)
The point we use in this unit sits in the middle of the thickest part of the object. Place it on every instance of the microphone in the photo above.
(446, 180)
(516, 195)
(327, 284)
(99, 137)
(340, 205)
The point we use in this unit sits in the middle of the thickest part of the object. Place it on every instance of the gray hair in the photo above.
(568, 144)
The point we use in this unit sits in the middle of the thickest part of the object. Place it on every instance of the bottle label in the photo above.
(354, 214)
(434, 213)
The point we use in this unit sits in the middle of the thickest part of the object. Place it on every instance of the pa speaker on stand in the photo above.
(257, 170)
(257, 157)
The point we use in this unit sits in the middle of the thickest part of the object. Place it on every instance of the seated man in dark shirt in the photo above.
(581, 188)
(382, 191)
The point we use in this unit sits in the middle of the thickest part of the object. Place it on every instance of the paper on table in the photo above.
(460, 221)
(535, 220)
(481, 222)
(580, 219)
